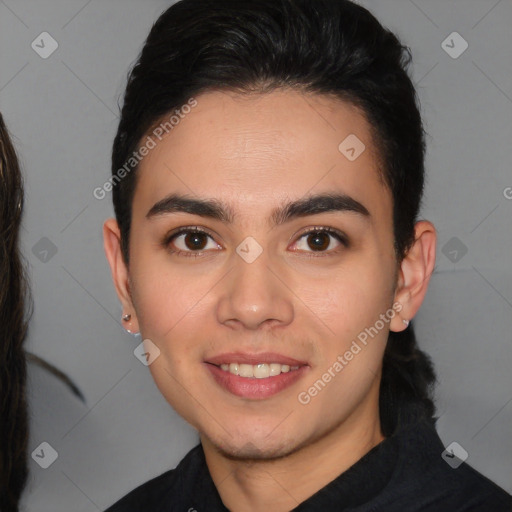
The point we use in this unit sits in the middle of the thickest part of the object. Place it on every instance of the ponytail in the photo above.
(407, 376)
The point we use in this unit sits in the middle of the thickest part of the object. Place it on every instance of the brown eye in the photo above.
(195, 241)
(189, 241)
(321, 240)
(318, 241)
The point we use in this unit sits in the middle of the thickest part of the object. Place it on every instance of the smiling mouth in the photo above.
(255, 376)
(257, 371)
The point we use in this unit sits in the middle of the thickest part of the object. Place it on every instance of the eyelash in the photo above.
(196, 229)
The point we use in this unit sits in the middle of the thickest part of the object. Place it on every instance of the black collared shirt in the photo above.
(406, 472)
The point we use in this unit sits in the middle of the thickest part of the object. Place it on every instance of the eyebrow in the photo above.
(215, 209)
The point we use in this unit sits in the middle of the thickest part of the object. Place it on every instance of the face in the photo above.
(276, 277)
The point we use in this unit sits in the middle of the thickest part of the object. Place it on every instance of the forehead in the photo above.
(256, 150)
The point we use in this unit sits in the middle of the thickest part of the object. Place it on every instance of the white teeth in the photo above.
(246, 370)
(275, 369)
(262, 371)
(258, 371)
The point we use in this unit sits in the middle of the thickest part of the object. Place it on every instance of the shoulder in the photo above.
(474, 491)
(168, 487)
(430, 478)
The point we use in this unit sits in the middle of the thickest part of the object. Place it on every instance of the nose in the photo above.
(254, 297)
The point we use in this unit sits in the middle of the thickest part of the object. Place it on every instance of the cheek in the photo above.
(164, 297)
(174, 311)
(347, 307)
(155, 304)
(348, 300)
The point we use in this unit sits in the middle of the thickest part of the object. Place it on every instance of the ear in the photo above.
(414, 274)
(119, 269)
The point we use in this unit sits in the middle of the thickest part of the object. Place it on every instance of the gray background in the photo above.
(62, 112)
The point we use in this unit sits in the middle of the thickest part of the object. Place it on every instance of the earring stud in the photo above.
(406, 322)
(127, 317)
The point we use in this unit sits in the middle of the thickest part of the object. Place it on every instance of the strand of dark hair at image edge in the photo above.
(15, 311)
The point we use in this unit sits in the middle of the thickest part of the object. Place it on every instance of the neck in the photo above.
(282, 484)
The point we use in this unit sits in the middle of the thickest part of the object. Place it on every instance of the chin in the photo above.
(251, 444)
(253, 450)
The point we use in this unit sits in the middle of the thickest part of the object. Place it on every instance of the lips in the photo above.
(246, 384)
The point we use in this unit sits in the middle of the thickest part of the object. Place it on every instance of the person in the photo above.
(16, 362)
(267, 175)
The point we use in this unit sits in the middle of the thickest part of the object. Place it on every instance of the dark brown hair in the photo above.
(13, 328)
(15, 311)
